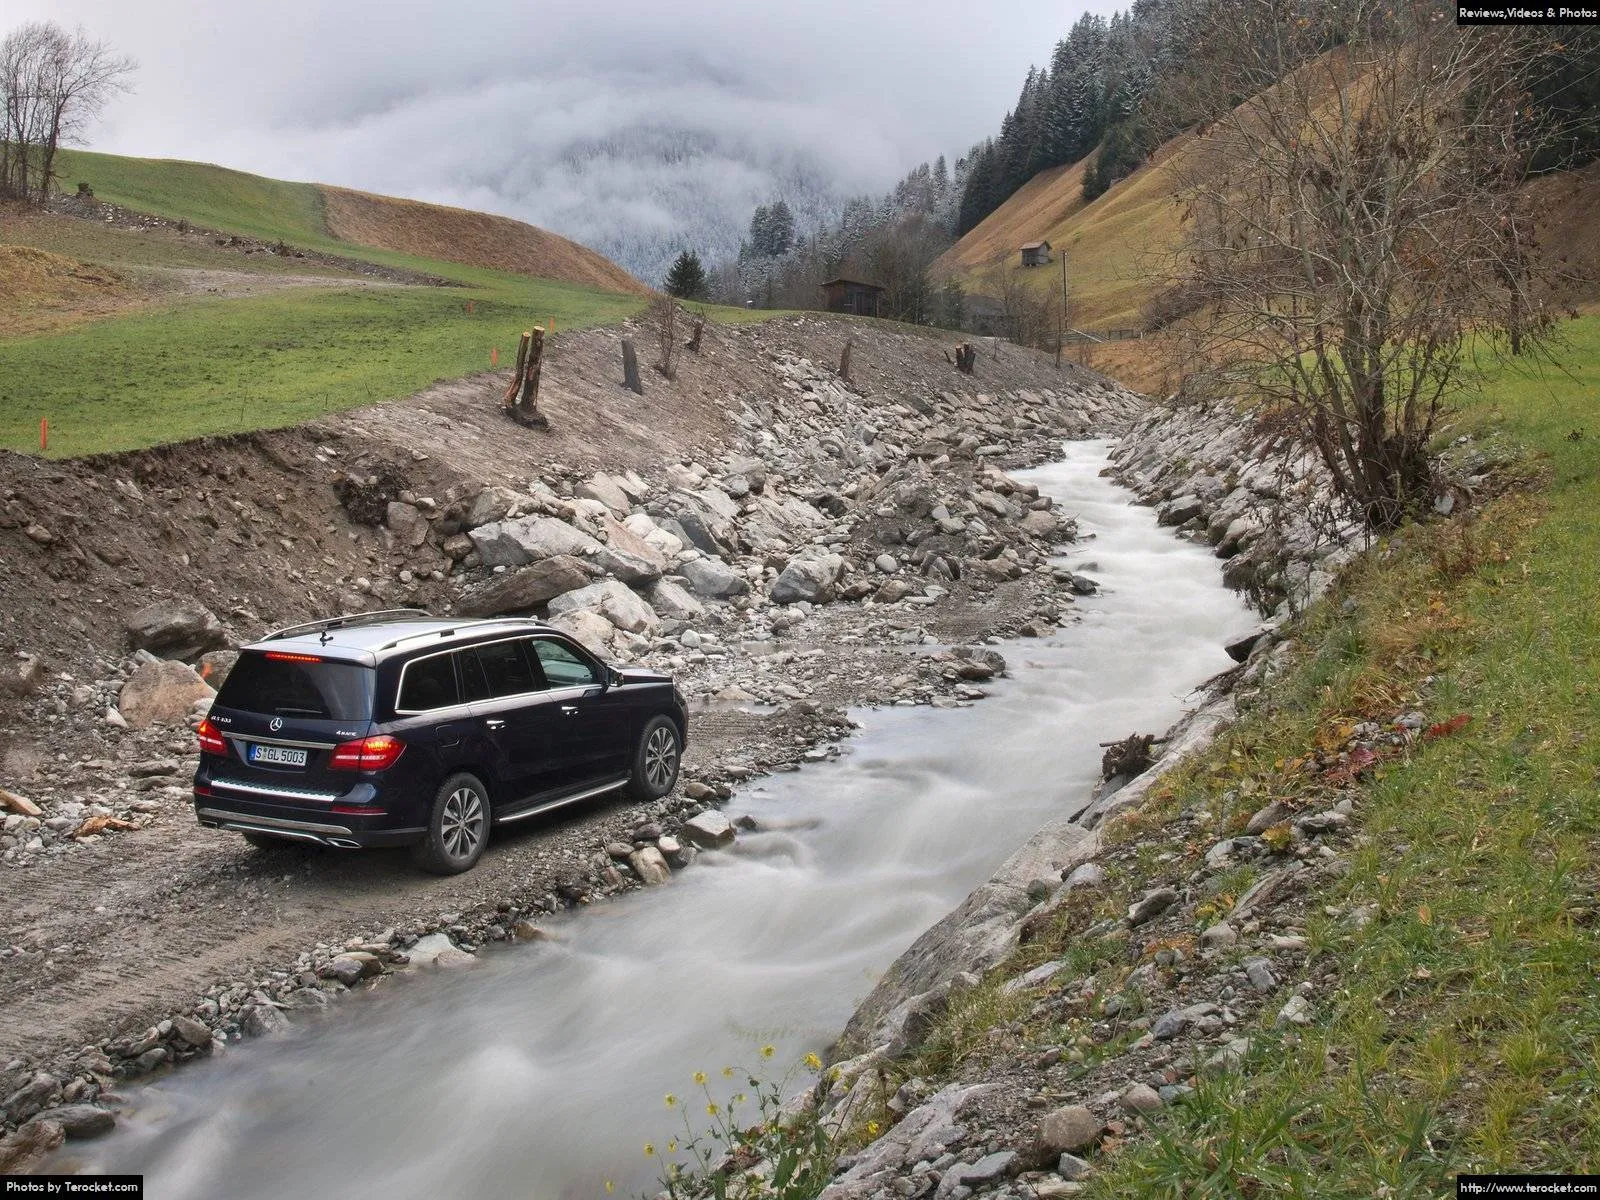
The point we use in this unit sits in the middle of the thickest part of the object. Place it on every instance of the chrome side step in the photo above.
(563, 801)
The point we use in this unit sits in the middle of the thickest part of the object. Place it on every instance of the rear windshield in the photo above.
(284, 687)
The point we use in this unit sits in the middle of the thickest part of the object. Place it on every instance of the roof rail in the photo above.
(340, 622)
(452, 630)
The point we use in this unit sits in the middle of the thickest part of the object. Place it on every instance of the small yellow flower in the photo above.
(712, 1110)
(700, 1077)
(610, 1187)
(727, 1072)
(672, 1101)
(649, 1149)
(872, 1129)
(672, 1146)
(739, 1098)
(768, 1051)
(813, 1062)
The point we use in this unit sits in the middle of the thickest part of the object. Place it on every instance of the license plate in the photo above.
(278, 756)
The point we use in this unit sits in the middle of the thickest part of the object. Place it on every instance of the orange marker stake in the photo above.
(44, 433)
(494, 356)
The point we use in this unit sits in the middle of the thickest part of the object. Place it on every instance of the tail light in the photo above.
(210, 740)
(376, 753)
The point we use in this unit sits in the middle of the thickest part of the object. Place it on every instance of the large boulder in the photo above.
(645, 561)
(713, 578)
(810, 576)
(668, 544)
(529, 539)
(176, 629)
(491, 504)
(606, 490)
(526, 588)
(670, 600)
(532, 539)
(614, 601)
(161, 693)
(407, 526)
(588, 628)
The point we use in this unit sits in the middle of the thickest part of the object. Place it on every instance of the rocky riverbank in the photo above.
(830, 544)
(1087, 1022)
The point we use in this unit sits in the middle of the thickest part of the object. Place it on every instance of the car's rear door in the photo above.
(510, 702)
(595, 720)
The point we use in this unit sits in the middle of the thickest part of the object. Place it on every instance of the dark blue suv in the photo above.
(398, 728)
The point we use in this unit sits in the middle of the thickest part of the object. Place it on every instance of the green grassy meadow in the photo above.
(198, 366)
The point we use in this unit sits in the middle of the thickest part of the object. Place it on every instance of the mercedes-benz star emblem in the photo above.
(277, 724)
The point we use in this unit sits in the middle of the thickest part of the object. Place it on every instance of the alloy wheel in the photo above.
(461, 823)
(661, 757)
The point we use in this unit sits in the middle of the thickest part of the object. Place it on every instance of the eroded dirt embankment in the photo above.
(786, 543)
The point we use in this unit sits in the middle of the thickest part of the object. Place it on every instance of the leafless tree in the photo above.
(52, 85)
(664, 315)
(1355, 230)
(1032, 315)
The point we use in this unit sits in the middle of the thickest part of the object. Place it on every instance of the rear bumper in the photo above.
(304, 816)
(324, 833)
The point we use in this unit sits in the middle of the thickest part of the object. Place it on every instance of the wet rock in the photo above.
(27, 1147)
(650, 866)
(1068, 1130)
(176, 629)
(437, 952)
(709, 830)
(524, 589)
(80, 1121)
(34, 1096)
(195, 1034)
(352, 966)
(263, 1020)
(1151, 906)
(161, 693)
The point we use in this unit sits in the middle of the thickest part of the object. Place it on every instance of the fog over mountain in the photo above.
(638, 129)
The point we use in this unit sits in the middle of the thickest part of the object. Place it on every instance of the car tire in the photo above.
(458, 827)
(656, 760)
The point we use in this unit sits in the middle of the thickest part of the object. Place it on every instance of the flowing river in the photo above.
(540, 1073)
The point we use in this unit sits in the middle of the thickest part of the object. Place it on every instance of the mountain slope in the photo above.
(336, 220)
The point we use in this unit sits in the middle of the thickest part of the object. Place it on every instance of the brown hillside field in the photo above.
(474, 239)
(41, 291)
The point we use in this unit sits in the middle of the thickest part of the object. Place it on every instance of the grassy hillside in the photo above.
(127, 337)
(381, 229)
(1116, 247)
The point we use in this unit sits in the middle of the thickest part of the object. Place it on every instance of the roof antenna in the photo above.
(323, 637)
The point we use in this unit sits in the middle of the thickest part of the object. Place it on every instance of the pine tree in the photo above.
(780, 229)
(687, 278)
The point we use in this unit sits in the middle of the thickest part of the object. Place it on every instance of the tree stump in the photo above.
(844, 360)
(693, 344)
(630, 369)
(1131, 756)
(966, 357)
(521, 399)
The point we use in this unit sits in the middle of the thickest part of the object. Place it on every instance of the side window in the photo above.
(474, 683)
(428, 683)
(562, 666)
(506, 670)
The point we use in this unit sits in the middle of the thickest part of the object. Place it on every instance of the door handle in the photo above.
(570, 710)
(494, 723)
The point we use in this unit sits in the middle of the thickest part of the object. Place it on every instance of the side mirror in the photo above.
(613, 677)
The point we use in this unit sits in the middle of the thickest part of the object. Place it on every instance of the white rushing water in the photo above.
(540, 1073)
